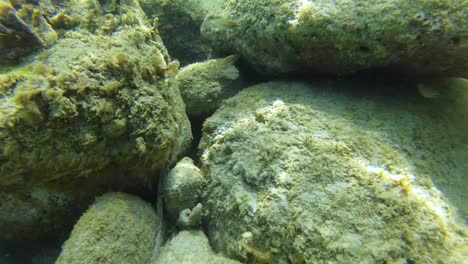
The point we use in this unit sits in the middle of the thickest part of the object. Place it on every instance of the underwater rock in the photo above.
(92, 106)
(117, 228)
(179, 27)
(343, 37)
(203, 85)
(312, 173)
(95, 111)
(182, 188)
(24, 28)
(26, 215)
(190, 247)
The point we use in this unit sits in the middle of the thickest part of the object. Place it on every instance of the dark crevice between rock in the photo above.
(196, 123)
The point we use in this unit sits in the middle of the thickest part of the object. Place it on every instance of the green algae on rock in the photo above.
(182, 188)
(304, 173)
(190, 247)
(92, 104)
(117, 228)
(99, 110)
(204, 85)
(344, 37)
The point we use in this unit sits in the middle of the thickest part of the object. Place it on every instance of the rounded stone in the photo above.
(182, 188)
(311, 173)
(117, 228)
(204, 85)
(99, 110)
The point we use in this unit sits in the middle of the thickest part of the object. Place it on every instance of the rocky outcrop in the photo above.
(117, 228)
(343, 37)
(182, 188)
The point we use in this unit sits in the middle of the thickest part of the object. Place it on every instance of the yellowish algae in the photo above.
(182, 188)
(304, 173)
(99, 109)
(117, 228)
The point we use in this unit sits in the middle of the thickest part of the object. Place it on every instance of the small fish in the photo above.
(228, 60)
(225, 67)
(225, 23)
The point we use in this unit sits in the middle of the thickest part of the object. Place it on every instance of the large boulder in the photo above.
(117, 228)
(98, 110)
(343, 37)
(313, 173)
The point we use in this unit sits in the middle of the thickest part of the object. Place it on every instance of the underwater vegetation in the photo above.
(97, 110)
(301, 173)
(240, 131)
(343, 37)
(203, 85)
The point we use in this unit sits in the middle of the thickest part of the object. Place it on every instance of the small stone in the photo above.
(182, 187)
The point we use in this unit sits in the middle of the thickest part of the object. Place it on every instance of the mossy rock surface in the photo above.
(117, 228)
(98, 111)
(92, 106)
(344, 37)
(204, 85)
(312, 173)
(190, 247)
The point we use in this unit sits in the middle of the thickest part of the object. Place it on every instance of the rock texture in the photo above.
(182, 188)
(117, 228)
(204, 85)
(98, 110)
(180, 22)
(311, 173)
(190, 247)
(343, 37)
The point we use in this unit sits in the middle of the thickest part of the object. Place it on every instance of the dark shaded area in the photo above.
(43, 251)
(197, 125)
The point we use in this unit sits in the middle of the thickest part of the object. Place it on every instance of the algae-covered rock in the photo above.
(343, 37)
(203, 85)
(179, 26)
(97, 111)
(24, 28)
(93, 106)
(190, 247)
(306, 173)
(26, 215)
(182, 188)
(117, 228)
